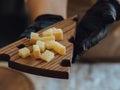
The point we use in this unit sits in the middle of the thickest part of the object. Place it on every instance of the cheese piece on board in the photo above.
(58, 33)
(34, 37)
(59, 48)
(47, 38)
(49, 44)
(41, 45)
(47, 56)
(36, 51)
(24, 52)
(48, 32)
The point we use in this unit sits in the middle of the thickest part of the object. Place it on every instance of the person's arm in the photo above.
(40, 7)
(44, 13)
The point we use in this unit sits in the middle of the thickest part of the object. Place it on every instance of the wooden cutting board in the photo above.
(58, 68)
(13, 80)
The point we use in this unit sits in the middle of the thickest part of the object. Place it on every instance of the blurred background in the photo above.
(14, 18)
(100, 72)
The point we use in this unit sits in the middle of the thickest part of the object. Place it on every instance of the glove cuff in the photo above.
(49, 17)
(41, 22)
(46, 20)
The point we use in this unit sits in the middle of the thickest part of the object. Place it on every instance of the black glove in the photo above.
(40, 23)
(94, 26)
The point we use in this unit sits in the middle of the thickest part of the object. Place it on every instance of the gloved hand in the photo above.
(41, 22)
(94, 26)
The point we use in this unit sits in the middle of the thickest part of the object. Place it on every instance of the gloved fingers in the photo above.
(41, 22)
(118, 16)
(93, 27)
(27, 33)
(94, 38)
(81, 46)
(116, 4)
(31, 28)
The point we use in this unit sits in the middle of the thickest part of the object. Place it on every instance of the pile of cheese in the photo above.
(43, 45)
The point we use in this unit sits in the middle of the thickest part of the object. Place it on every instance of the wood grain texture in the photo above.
(52, 69)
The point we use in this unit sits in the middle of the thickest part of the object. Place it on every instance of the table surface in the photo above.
(14, 80)
(99, 76)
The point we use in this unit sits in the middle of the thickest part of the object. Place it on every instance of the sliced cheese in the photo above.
(47, 38)
(49, 44)
(36, 51)
(59, 48)
(47, 56)
(41, 45)
(24, 52)
(48, 32)
(58, 34)
(34, 37)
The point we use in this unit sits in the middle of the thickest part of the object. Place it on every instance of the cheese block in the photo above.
(58, 33)
(36, 51)
(47, 56)
(49, 44)
(41, 45)
(47, 38)
(56, 46)
(24, 52)
(34, 37)
(48, 32)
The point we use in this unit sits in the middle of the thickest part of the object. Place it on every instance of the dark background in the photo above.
(13, 20)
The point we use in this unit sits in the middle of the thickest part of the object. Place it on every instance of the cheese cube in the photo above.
(47, 38)
(24, 52)
(59, 48)
(47, 56)
(41, 45)
(48, 32)
(49, 44)
(58, 33)
(36, 51)
(34, 37)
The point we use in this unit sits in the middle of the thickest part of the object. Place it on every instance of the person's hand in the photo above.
(94, 26)
(41, 22)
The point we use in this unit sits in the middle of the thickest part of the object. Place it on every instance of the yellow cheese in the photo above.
(49, 44)
(47, 38)
(47, 56)
(48, 32)
(56, 46)
(41, 45)
(34, 37)
(24, 52)
(36, 51)
(59, 48)
(58, 34)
